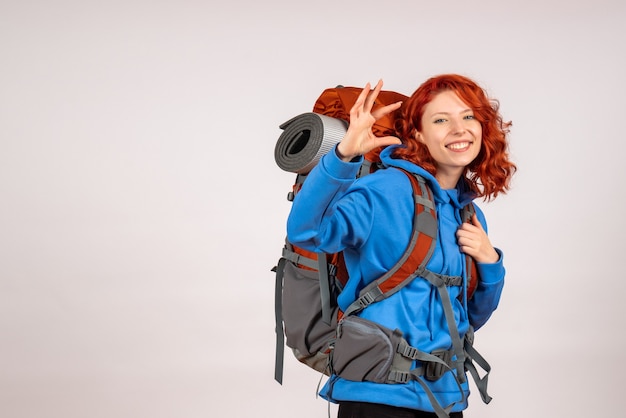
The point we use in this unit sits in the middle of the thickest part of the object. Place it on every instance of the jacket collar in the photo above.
(460, 196)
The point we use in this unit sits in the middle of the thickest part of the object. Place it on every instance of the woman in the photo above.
(451, 134)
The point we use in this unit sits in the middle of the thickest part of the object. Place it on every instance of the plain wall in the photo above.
(141, 208)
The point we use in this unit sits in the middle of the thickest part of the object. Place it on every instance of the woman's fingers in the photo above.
(366, 101)
(473, 240)
(359, 104)
(371, 96)
(382, 111)
(388, 140)
(367, 98)
(360, 138)
(476, 222)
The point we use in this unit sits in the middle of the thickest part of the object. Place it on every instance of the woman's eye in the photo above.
(441, 120)
(469, 117)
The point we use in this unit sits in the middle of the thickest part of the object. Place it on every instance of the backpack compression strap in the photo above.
(278, 312)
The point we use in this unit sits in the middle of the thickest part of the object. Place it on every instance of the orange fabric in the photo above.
(307, 254)
(334, 259)
(473, 284)
(337, 102)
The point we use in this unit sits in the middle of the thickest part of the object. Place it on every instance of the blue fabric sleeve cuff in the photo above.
(492, 272)
(338, 168)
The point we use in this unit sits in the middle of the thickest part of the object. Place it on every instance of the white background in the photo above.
(141, 208)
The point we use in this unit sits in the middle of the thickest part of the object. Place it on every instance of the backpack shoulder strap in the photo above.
(417, 254)
(472, 272)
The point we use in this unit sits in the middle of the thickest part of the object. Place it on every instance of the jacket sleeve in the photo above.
(326, 215)
(489, 288)
(488, 292)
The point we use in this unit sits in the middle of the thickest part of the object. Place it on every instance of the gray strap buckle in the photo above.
(435, 370)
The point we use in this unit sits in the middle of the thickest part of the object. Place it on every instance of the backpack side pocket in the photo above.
(365, 351)
(307, 335)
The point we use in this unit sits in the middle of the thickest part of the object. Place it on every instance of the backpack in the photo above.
(307, 284)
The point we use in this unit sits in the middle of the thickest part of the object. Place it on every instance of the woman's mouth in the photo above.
(459, 146)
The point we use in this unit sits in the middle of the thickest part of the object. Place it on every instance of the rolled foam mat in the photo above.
(305, 139)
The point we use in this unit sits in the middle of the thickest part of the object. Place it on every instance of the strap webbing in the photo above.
(278, 312)
(439, 410)
(470, 265)
(473, 355)
(296, 258)
(364, 170)
(324, 288)
(417, 374)
(449, 315)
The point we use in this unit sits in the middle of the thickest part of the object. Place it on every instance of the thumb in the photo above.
(389, 140)
(476, 222)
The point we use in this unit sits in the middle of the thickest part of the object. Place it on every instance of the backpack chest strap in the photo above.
(375, 293)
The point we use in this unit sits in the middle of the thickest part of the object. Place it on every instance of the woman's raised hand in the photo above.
(359, 138)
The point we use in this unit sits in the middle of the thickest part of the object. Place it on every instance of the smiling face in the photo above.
(451, 134)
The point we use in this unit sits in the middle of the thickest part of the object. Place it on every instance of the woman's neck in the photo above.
(448, 180)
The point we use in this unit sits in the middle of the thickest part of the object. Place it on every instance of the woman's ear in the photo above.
(418, 136)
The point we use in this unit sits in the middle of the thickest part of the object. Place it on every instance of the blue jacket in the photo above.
(370, 220)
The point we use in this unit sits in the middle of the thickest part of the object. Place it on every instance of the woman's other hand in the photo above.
(473, 241)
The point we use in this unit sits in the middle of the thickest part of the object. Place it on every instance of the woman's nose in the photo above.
(458, 127)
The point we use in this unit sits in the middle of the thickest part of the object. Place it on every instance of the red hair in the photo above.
(490, 172)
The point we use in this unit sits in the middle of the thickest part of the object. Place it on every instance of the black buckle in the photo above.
(434, 370)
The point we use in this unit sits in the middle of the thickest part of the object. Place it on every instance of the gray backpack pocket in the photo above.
(307, 335)
(366, 351)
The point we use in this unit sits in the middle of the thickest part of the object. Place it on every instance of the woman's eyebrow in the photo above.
(447, 113)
